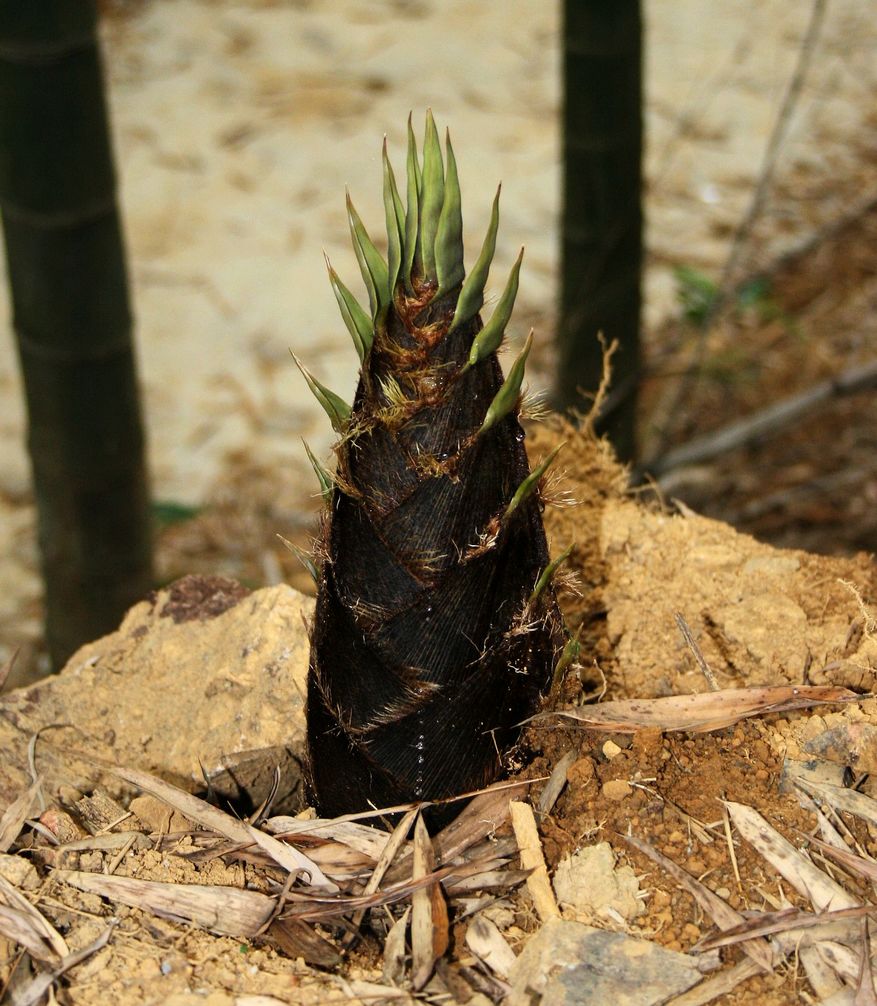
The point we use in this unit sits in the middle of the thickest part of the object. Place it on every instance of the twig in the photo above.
(784, 499)
(744, 228)
(777, 138)
(732, 854)
(695, 649)
(766, 422)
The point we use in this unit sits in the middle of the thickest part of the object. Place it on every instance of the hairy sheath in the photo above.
(436, 627)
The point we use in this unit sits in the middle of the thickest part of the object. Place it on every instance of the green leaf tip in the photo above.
(489, 338)
(302, 556)
(547, 574)
(323, 477)
(372, 266)
(472, 295)
(432, 197)
(357, 321)
(570, 654)
(507, 397)
(395, 225)
(335, 407)
(530, 482)
(412, 215)
(449, 236)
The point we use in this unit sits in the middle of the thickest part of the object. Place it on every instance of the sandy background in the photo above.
(238, 124)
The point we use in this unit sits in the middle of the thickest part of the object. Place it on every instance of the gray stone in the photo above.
(571, 964)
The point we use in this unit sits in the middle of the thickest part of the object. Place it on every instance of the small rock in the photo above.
(581, 777)
(61, 825)
(19, 872)
(157, 816)
(611, 750)
(571, 964)
(590, 882)
(617, 790)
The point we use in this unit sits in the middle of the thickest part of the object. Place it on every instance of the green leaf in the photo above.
(530, 483)
(412, 217)
(449, 236)
(371, 265)
(507, 397)
(570, 653)
(395, 225)
(357, 321)
(302, 556)
(323, 477)
(335, 407)
(697, 294)
(489, 338)
(472, 295)
(165, 513)
(548, 573)
(432, 197)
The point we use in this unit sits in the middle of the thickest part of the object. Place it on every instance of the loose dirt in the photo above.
(636, 564)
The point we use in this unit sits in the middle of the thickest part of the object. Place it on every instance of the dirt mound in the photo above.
(755, 615)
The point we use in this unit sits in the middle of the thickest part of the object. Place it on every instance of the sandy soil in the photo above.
(759, 616)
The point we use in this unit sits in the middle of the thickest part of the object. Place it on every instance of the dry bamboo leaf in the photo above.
(481, 817)
(465, 872)
(362, 837)
(371, 992)
(338, 860)
(488, 944)
(821, 975)
(485, 813)
(702, 712)
(298, 939)
(768, 923)
(717, 985)
(840, 958)
(538, 884)
(394, 950)
(807, 879)
(429, 916)
(722, 914)
(227, 911)
(501, 880)
(318, 908)
(6, 668)
(857, 864)
(210, 817)
(34, 991)
(865, 993)
(842, 798)
(388, 854)
(15, 815)
(556, 782)
(107, 842)
(11, 896)
(19, 928)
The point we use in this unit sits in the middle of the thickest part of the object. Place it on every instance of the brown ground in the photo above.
(814, 485)
(637, 564)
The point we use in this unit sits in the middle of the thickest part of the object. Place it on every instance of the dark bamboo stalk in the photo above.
(601, 244)
(72, 320)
